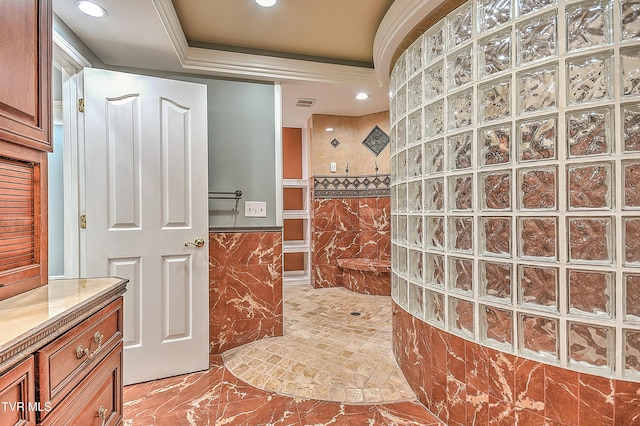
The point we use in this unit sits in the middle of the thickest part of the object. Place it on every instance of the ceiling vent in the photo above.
(305, 102)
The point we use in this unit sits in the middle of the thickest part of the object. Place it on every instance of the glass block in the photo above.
(460, 24)
(495, 236)
(589, 79)
(537, 39)
(461, 234)
(632, 350)
(434, 307)
(494, 54)
(460, 66)
(495, 190)
(589, 132)
(434, 119)
(401, 265)
(402, 197)
(497, 326)
(588, 25)
(402, 229)
(496, 145)
(631, 127)
(415, 55)
(630, 19)
(460, 151)
(415, 92)
(414, 131)
(392, 112)
(537, 188)
(538, 237)
(492, 14)
(460, 107)
(393, 172)
(434, 42)
(538, 137)
(495, 100)
(403, 294)
(394, 285)
(415, 196)
(416, 270)
(401, 101)
(631, 297)
(434, 269)
(393, 192)
(590, 186)
(461, 316)
(414, 161)
(528, 6)
(631, 236)
(402, 165)
(393, 140)
(538, 287)
(434, 195)
(495, 280)
(538, 335)
(461, 275)
(591, 292)
(537, 89)
(591, 345)
(590, 239)
(434, 81)
(461, 193)
(401, 134)
(415, 231)
(434, 156)
(631, 175)
(416, 300)
(435, 232)
(630, 64)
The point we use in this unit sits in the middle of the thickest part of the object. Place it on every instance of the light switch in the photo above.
(255, 209)
(333, 167)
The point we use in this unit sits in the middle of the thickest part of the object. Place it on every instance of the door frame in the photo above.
(70, 62)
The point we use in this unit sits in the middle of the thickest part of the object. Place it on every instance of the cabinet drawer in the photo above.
(97, 400)
(63, 363)
(17, 394)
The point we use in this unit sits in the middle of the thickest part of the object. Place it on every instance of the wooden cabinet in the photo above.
(25, 58)
(17, 395)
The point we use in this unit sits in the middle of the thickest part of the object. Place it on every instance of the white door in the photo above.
(146, 196)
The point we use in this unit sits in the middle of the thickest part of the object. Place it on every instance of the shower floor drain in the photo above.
(356, 314)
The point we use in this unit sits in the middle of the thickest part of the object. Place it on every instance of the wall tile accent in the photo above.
(351, 186)
(245, 288)
(376, 141)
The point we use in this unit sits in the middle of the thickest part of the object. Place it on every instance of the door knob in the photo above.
(198, 242)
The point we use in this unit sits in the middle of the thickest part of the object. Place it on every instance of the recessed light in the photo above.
(329, 129)
(91, 9)
(266, 3)
(361, 96)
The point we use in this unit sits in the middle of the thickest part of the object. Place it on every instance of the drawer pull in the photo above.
(102, 413)
(82, 351)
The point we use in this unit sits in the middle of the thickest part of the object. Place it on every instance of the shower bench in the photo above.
(366, 276)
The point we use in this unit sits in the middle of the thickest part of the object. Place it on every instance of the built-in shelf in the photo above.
(295, 183)
(295, 246)
(295, 214)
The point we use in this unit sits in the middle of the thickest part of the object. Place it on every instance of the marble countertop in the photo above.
(41, 311)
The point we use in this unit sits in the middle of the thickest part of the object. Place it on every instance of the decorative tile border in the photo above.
(351, 186)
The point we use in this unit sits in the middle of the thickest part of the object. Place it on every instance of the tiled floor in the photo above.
(326, 353)
(218, 397)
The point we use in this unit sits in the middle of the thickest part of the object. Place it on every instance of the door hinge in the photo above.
(83, 221)
(81, 105)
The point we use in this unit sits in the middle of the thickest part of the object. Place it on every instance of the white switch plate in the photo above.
(255, 209)
(332, 167)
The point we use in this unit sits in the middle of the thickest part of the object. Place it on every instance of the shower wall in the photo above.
(515, 161)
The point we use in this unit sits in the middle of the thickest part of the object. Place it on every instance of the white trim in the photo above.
(255, 66)
(67, 55)
(400, 19)
(277, 94)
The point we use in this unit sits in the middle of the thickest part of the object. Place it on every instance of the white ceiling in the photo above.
(314, 48)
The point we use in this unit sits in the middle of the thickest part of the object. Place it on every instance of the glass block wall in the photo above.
(516, 180)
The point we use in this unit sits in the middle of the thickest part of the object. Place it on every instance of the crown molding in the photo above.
(259, 67)
(398, 22)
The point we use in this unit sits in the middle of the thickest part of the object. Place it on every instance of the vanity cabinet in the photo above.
(17, 395)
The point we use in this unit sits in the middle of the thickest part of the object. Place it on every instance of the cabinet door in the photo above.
(17, 395)
(25, 64)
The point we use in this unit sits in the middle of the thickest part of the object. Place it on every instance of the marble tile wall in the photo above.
(465, 383)
(347, 228)
(245, 288)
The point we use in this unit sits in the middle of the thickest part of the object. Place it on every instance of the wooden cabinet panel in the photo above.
(97, 400)
(63, 363)
(17, 395)
(25, 89)
(23, 219)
